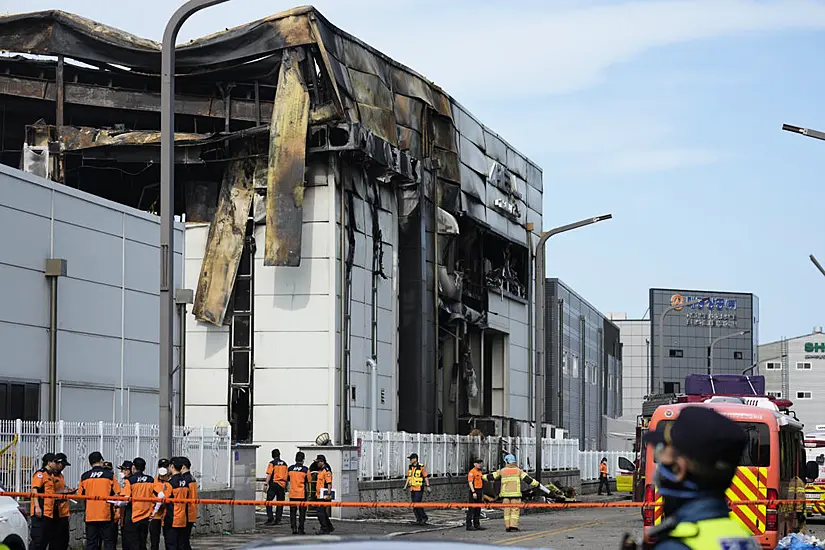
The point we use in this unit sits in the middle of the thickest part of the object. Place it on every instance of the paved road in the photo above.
(594, 529)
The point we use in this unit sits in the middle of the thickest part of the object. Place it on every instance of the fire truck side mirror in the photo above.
(627, 466)
(812, 470)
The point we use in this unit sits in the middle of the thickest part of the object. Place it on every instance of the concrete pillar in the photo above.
(344, 463)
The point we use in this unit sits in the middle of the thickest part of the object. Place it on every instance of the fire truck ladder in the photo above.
(786, 372)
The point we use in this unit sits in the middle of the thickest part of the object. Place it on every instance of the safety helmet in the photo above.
(509, 459)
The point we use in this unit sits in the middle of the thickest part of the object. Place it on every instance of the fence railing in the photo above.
(26, 442)
(383, 455)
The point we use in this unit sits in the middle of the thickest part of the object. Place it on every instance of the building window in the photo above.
(673, 387)
(803, 395)
(677, 353)
(575, 367)
(772, 365)
(776, 394)
(803, 365)
(738, 355)
(19, 400)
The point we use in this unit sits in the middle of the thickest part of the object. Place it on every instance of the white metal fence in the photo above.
(589, 463)
(383, 455)
(26, 442)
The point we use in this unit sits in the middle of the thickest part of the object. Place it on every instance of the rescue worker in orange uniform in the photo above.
(475, 481)
(61, 532)
(99, 482)
(176, 520)
(298, 480)
(137, 514)
(162, 489)
(43, 509)
(191, 508)
(604, 479)
(323, 491)
(125, 470)
(276, 472)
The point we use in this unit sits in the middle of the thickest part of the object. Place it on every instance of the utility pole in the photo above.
(538, 285)
(167, 220)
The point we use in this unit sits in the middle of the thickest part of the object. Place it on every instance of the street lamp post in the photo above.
(723, 337)
(538, 285)
(661, 366)
(167, 212)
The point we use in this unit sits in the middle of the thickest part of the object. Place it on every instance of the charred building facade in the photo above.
(358, 242)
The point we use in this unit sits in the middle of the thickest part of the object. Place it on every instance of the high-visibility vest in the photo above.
(511, 482)
(415, 475)
(714, 534)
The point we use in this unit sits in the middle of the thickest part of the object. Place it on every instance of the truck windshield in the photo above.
(758, 449)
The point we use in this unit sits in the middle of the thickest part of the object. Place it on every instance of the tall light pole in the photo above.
(538, 286)
(661, 366)
(817, 264)
(167, 213)
(719, 339)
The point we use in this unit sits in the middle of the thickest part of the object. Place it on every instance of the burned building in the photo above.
(357, 240)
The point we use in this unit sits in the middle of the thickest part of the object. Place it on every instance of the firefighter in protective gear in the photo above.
(697, 456)
(511, 477)
(417, 478)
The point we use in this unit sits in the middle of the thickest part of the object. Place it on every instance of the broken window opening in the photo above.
(241, 358)
(505, 266)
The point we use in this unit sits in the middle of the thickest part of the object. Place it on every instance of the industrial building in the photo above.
(794, 369)
(694, 323)
(78, 284)
(584, 366)
(635, 342)
(334, 200)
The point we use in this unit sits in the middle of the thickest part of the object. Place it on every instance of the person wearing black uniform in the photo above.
(697, 456)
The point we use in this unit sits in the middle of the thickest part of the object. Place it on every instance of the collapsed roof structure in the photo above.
(252, 105)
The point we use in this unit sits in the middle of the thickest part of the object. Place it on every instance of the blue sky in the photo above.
(666, 114)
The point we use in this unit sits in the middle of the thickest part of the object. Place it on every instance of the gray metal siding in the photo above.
(108, 303)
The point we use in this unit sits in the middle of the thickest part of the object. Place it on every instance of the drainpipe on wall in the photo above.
(373, 366)
(183, 297)
(54, 268)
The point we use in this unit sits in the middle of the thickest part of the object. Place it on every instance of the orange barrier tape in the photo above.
(359, 504)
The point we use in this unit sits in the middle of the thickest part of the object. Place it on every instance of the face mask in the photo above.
(674, 493)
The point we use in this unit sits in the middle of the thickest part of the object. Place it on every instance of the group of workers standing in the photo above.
(301, 483)
(136, 520)
(510, 476)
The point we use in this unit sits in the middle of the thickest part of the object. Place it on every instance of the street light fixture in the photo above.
(661, 366)
(538, 285)
(167, 212)
(723, 337)
(816, 134)
(817, 264)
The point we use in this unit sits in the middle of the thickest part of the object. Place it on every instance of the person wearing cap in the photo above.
(162, 489)
(298, 483)
(604, 480)
(176, 521)
(43, 509)
(475, 480)
(101, 483)
(61, 532)
(276, 472)
(125, 471)
(323, 491)
(417, 478)
(697, 456)
(511, 477)
(137, 513)
(191, 508)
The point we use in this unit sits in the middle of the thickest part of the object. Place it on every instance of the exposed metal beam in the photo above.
(131, 100)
